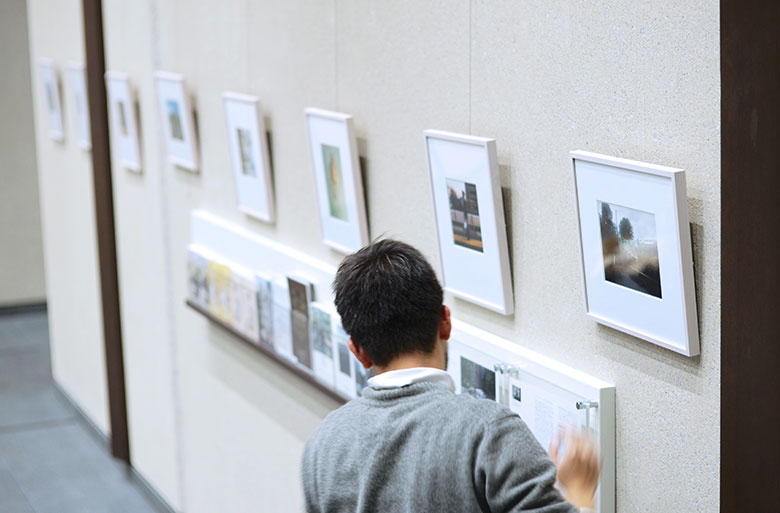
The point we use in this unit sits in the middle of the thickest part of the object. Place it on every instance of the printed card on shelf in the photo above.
(245, 303)
(265, 309)
(220, 292)
(543, 407)
(345, 370)
(197, 274)
(282, 325)
(323, 364)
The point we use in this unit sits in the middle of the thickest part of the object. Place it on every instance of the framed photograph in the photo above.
(51, 94)
(77, 82)
(221, 301)
(122, 118)
(300, 298)
(472, 371)
(635, 247)
(470, 221)
(339, 183)
(177, 120)
(249, 150)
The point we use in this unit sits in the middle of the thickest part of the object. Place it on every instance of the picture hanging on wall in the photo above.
(470, 219)
(177, 120)
(339, 183)
(79, 106)
(123, 121)
(300, 298)
(51, 99)
(249, 150)
(635, 247)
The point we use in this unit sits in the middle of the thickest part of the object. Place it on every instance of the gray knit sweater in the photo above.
(422, 448)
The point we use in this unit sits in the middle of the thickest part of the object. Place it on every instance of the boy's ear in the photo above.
(360, 354)
(445, 323)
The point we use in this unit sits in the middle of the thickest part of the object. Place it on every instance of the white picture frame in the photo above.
(178, 122)
(474, 254)
(123, 121)
(339, 182)
(77, 82)
(50, 84)
(249, 153)
(637, 273)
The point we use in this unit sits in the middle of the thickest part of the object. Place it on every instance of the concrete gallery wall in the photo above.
(68, 218)
(21, 253)
(215, 426)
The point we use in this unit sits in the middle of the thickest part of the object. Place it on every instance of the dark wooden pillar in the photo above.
(104, 212)
(750, 253)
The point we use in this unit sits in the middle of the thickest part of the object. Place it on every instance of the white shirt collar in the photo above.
(402, 377)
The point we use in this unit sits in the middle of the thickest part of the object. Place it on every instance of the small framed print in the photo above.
(77, 82)
(51, 95)
(322, 342)
(635, 247)
(338, 179)
(249, 150)
(177, 120)
(470, 219)
(123, 121)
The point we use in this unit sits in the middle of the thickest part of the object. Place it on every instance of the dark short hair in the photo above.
(389, 300)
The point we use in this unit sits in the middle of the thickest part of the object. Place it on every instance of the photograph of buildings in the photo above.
(464, 213)
(630, 248)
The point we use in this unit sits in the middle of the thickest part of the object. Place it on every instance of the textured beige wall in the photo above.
(68, 220)
(21, 255)
(215, 426)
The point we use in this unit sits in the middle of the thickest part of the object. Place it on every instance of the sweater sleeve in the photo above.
(514, 472)
(308, 480)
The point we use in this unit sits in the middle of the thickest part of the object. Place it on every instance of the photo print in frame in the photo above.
(77, 83)
(470, 220)
(635, 248)
(472, 371)
(338, 179)
(125, 143)
(177, 120)
(249, 152)
(51, 99)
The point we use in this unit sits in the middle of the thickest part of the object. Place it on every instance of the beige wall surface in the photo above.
(216, 427)
(68, 219)
(21, 253)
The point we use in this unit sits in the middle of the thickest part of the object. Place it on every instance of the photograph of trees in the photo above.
(630, 248)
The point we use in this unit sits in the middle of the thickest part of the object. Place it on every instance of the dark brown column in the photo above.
(750, 293)
(104, 212)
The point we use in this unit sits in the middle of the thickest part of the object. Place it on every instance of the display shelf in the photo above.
(299, 370)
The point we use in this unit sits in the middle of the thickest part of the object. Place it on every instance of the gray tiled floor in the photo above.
(49, 460)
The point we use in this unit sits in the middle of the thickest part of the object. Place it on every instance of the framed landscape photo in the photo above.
(249, 151)
(79, 105)
(635, 247)
(177, 120)
(123, 121)
(470, 219)
(51, 96)
(339, 183)
(472, 370)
